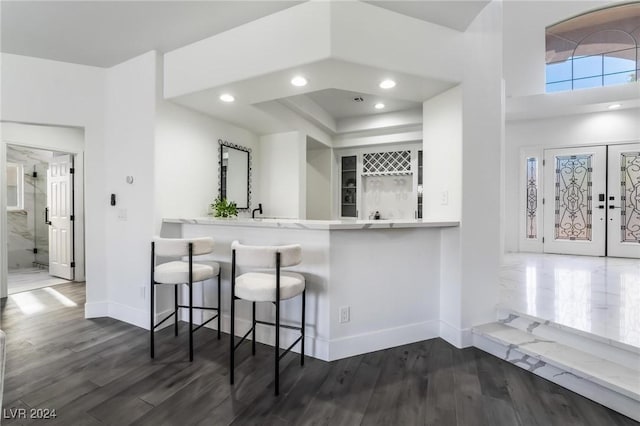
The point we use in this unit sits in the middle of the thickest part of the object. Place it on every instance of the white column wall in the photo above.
(319, 178)
(283, 175)
(442, 155)
(482, 152)
(130, 115)
(471, 254)
(56, 93)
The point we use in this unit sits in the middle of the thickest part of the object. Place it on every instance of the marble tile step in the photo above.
(594, 344)
(623, 379)
(608, 383)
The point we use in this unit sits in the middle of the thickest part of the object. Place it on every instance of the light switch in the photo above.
(444, 198)
(122, 214)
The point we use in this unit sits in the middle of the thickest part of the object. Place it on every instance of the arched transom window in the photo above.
(599, 48)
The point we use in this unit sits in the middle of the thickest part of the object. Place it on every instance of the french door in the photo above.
(623, 201)
(592, 200)
(575, 200)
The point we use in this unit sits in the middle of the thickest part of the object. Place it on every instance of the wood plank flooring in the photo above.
(98, 372)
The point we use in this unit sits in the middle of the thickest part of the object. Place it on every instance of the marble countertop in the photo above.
(314, 224)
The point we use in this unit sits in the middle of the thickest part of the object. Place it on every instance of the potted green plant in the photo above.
(224, 208)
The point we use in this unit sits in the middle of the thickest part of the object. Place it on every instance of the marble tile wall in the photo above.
(27, 229)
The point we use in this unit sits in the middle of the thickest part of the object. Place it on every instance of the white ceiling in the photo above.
(105, 33)
(329, 80)
(456, 14)
(340, 104)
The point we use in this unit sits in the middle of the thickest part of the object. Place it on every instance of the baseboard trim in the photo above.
(382, 339)
(460, 338)
(315, 346)
(130, 315)
(96, 309)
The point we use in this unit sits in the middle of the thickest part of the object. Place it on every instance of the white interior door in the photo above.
(60, 216)
(575, 200)
(623, 203)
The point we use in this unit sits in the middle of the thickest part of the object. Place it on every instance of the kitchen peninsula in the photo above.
(371, 284)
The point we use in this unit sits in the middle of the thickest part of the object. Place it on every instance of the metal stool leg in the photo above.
(175, 309)
(277, 345)
(277, 349)
(253, 333)
(304, 292)
(232, 325)
(190, 322)
(219, 309)
(151, 300)
(152, 326)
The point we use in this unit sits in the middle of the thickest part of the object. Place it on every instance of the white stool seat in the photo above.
(261, 287)
(177, 272)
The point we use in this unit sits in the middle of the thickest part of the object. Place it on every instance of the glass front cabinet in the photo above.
(349, 186)
(376, 182)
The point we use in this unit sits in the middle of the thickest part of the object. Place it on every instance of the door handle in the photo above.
(46, 216)
(601, 206)
(611, 207)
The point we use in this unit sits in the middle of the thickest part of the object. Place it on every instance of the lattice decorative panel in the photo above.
(386, 163)
(532, 197)
(573, 201)
(630, 190)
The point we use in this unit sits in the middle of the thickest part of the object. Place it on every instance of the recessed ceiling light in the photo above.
(379, 105)
(227, 98)
(387, 84)
(299, 81)
(614, 106)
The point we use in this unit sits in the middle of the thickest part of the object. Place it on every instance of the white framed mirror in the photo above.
(234, 178)
(15, 187)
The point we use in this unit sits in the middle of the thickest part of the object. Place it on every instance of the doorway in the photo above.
(40, 249)
(592, 200)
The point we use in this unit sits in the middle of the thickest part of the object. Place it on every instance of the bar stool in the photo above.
(182, 272)
(266, 287)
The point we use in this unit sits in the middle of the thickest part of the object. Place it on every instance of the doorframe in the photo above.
(70, 147)
(537, 246)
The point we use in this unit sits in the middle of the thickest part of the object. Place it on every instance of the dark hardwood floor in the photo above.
(99, 372)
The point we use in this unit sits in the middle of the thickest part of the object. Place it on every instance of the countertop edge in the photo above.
(313, 224)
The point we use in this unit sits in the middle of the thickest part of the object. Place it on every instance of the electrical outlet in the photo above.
(345, 314)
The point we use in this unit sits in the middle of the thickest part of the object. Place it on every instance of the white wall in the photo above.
(296, 36)
(283, 175)
(471, 254)
(601, 128)
(524, 40)
(130, 113)
(65, 139)
(187, 161)
(382, 137)
(318, 193)
(56, 93)
(442, 156)
(370, 35)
